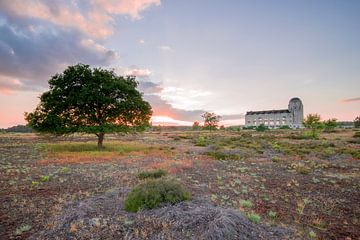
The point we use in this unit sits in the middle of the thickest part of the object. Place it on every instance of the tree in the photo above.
(357, 122)
(261, 128)
(330, 125)
(211, 120)
(88, 100)
(312, 121)
(196, 125)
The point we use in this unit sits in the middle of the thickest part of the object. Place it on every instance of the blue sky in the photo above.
(223, 56)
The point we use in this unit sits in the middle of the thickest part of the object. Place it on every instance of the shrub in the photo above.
(246, 203)
(261, 128)
(151, 193)
(44, 178)
(357, 135)
(255, 218)
(284, 127)
(156, 173)
(200, 141)
(275, 159)
(330, 125)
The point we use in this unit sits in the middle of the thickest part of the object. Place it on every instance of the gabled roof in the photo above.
(268, 112)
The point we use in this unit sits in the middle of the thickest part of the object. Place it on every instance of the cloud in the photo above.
(142, 41)
(39, 38)
(153, 93)
(165, 48)
(97, 21)
(138, 72)
(357, 99)
(32, 57)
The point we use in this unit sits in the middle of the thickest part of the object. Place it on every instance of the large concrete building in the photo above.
(292, 117)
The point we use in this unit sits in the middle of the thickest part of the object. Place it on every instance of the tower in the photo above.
(296, 110)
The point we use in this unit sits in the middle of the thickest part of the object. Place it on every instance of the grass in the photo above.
(157, 173)
(150, 194)
(90, 147)
(86, 152)
(246, 203)
(255, 218)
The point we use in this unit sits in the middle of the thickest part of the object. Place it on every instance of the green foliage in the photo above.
(312, 122)
(156, 173)
(357, 122)
(211, 120)
(272, 214)
(22, 229)
(18, 129)
(356, 135)
(201, 141)
(255, 218)
(89, 147)
(88, 100)
(330, 125)
(275, 159)
(34, 183)
(284, 127)
(261, 128)
(150, 194)
(313, 134)
(246, 203)
(45, 178)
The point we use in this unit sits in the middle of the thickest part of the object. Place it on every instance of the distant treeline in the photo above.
(17, 129)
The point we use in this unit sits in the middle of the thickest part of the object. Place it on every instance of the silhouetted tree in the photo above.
(211, 120)
(88, 100)
(357, 122)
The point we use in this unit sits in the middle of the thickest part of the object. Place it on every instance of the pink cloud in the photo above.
(357, 99)
(97, 22)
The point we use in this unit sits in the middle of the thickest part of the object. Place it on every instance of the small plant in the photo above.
(34, 183)
(45, 178)
(255, 218)
(301, 206)
(156, 173)
(272, 214)
(22, 229)
(275, 159)
(200, 141)
(246, 203)
(284, 127)
(153, 192)
(312, 234)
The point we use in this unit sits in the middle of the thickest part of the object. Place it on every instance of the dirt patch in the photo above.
(103, 217)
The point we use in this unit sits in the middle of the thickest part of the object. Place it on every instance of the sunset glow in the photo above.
(227, 58)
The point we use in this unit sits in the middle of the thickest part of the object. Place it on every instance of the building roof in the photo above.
(268, 112)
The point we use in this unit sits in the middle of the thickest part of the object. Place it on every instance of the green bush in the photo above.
(284, 127)
(261, 128)
(200, 141)
(151, 193)
(156, 173)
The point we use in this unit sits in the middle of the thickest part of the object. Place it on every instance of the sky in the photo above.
(226, 57)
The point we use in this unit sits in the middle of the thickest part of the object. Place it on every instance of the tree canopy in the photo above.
(211, 120)
(98, 101)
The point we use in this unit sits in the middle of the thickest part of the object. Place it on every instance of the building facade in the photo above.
(293, 116)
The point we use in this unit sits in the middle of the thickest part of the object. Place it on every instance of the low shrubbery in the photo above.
(156, 173)
(151, 193)
(261, 128)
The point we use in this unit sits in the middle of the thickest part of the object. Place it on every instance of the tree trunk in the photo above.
(100, 140)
